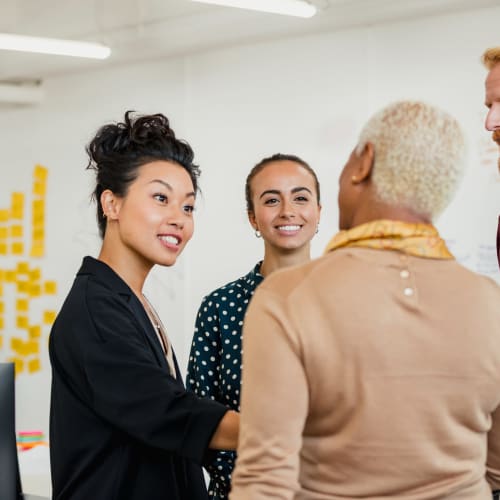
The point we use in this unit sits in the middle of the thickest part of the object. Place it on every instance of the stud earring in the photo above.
(354, 179)
(258, 234)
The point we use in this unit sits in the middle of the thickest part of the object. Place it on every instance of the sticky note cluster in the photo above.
(22, 283)
(38, 211)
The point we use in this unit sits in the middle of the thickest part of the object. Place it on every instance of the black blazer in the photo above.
(121, 427)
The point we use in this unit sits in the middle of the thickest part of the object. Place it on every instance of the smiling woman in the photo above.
(162, 209)
(283, 206)
(122, 425)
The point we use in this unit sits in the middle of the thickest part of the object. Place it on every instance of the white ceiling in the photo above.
(147, 29)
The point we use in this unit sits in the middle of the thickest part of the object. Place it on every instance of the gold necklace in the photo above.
(155, 320)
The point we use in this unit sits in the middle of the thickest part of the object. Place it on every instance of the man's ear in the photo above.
(366, 160)
(110, 204)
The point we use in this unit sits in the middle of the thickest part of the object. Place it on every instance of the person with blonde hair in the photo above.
(491, 60)
(374, 371)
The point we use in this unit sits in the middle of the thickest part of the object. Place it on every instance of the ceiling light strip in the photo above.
(53, 46)
(298, 8)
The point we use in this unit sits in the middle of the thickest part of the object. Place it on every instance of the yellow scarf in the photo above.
(421, 240)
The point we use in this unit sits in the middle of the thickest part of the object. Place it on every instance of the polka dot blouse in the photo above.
(214, 368)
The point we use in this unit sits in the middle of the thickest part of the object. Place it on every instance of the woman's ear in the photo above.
(365, 164)
(251, 219)
(110, 204)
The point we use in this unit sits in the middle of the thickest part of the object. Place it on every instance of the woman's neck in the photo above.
(274, 260)
(128, 266)
(378, 210)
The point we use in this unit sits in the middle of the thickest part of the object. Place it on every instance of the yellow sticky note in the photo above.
(18, 364)
(39, 188)
(16, 231)
(4, 215)
(35, 274)
(22, 305)
(3, 249)
(34, 365)
(17, 206)
(37, 251)
(38, 220)
(17, 345)
(22, 322)
(32, 347)
(49, 317)
(23, 267)
(34, 332)
(2, 308)
(16, 199)
(10, 276)
(1, 323)
(1, 289)
(38, 207)
(17, 214)
(22, 286)
(2, 274)
(17, 248)
(40, 172)
(38, 233)
(50, 288)
(1, 341)
(35, 290)
(4, 233)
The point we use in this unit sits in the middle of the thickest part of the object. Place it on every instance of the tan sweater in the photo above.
(370, 374)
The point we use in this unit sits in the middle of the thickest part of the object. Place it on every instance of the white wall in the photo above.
(307, 96)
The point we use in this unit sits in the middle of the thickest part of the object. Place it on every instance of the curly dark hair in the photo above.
(119, 149)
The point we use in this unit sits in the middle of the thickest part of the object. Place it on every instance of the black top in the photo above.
(121, 427)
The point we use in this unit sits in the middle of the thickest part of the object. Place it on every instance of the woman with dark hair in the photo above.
(283, 206)
(122, 426)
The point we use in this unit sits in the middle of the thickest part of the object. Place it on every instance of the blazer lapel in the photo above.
(103, 273)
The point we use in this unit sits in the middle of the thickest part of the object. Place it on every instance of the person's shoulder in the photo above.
(475, 280)
(319, 273)
(97, 287)
(100, 274)
(242, 284)
(285, 281)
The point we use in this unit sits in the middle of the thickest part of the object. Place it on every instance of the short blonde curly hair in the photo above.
(419, 156)
(491, 57)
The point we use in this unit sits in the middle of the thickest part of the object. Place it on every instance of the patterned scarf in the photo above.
(421, 240)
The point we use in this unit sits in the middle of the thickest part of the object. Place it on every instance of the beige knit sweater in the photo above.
(368, 374)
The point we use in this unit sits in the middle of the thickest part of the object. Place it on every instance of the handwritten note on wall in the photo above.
(22, 339)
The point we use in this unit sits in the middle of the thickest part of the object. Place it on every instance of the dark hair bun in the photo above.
(141, 136)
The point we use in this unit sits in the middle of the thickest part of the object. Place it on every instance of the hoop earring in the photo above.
(317, 229)
(258, 234)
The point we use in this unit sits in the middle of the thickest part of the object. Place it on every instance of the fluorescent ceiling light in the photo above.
(53, 46)
(299, 8)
